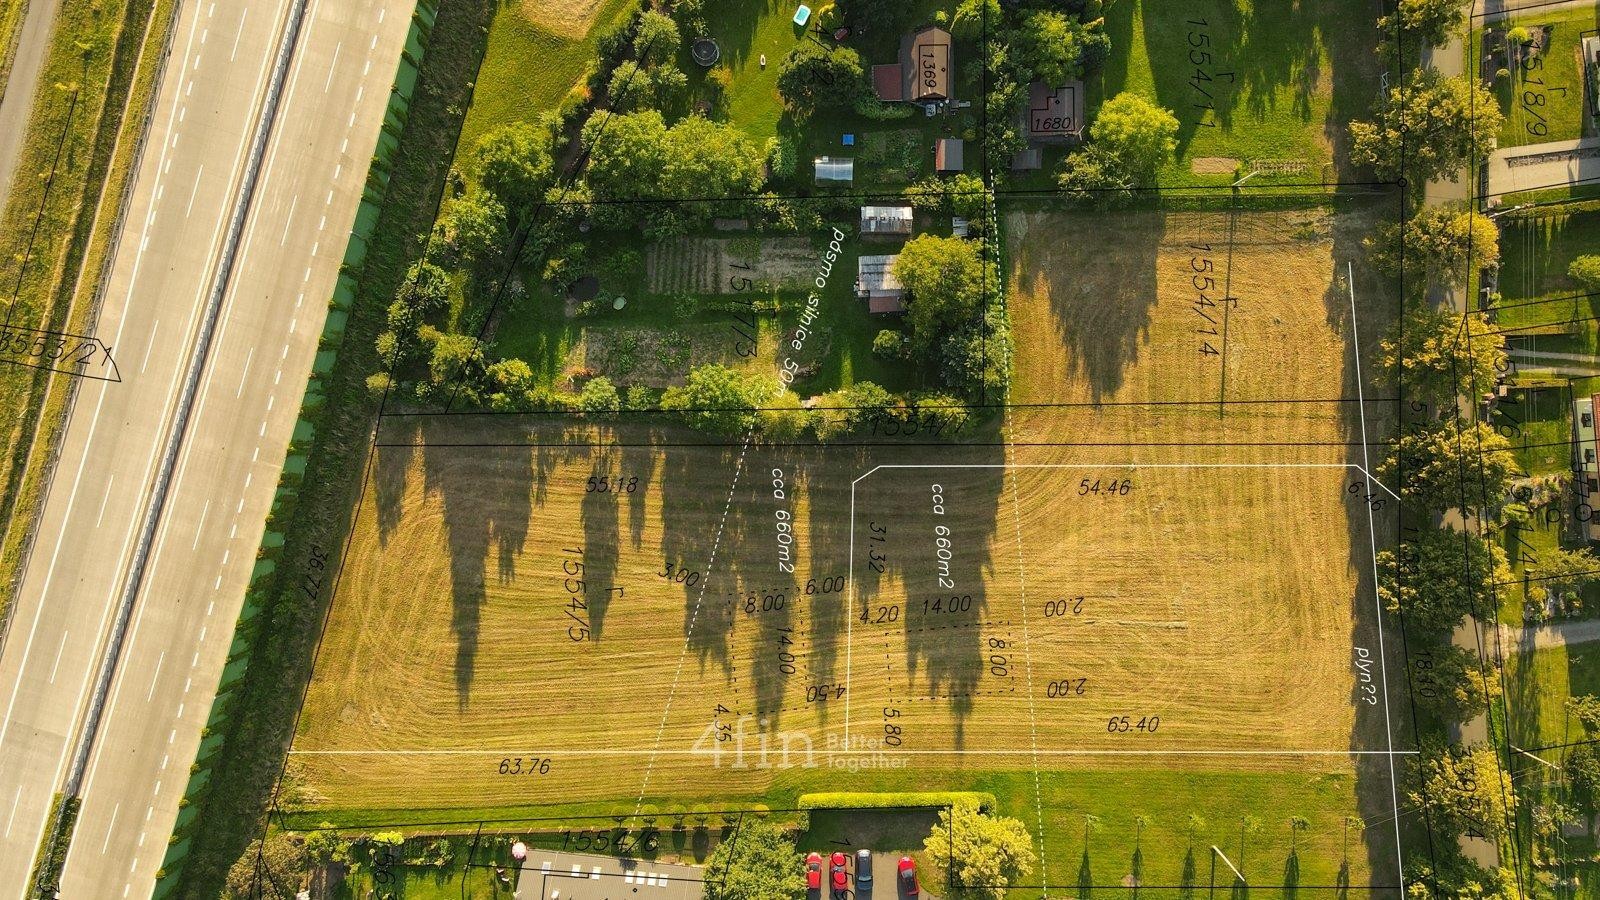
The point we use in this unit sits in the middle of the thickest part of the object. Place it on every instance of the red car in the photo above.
(814, 871)
(838, 877)
(908, 878)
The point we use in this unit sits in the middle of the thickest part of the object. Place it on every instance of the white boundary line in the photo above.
(1024, 751)
(1372, 537)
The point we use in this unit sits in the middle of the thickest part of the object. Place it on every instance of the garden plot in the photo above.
(723, 265)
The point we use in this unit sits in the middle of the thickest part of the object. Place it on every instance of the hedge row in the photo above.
(902, 799)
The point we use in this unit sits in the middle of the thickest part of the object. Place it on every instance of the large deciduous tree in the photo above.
(1431, 20)
(1451, 466)
(944, 278)
(1465, 791)
(983, 854)
(1139, 133)
(1428, 126)
(1446, 244)
(1450, 683)
(514, 165)
(761, 863)
(1054, 47)
(812, 77)
(1437, 355)
(1434, 581)
(721, 400)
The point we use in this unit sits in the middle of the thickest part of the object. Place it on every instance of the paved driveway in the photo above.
(1535, 166)
(581, 876)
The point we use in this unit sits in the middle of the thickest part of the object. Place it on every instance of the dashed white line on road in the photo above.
(366, 68)
(200, 529)
(246, 373)
(374, 43)
(12, 818)
(289, 219)
(225, 555)
(153, 329)
(381, 11)
(59, 650)
(276, 377)
(239, 35)
(329, 83)
(159, 660)
(194, 190)
(344, 145)
(203, 34)
(103, 501)
(106, 845)
(233, 531)
(183, 113)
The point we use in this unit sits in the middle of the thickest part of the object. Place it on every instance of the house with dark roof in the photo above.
(925, 73)
(949, 155)
(1054, 115)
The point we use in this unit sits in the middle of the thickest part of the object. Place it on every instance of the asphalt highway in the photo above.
(227, 469)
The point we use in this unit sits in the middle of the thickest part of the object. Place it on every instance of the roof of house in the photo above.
(888, 82)
(949, 154)
(928, 64)
(875, 274)
(886, 219)
(1027, 160)
(1055, 112)
(836, 169)
(885, 303)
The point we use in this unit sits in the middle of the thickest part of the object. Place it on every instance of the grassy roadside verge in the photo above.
(77, 226)
(11, 16)
(282, 635)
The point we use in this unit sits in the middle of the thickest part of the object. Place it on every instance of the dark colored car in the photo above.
(908, 878)
(837, 876)
(814, 871)
(863, 872)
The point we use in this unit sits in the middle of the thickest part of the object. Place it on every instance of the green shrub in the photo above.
(1586, 271)
(855, 800)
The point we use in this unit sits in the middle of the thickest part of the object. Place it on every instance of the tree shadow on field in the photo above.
(957, 645)
(390, 467)
(1378, 707)
(1101, 288)
(486, 494)
(694, 494)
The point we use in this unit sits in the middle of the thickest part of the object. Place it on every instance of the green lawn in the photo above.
(527, 69)
(748, 31)
(1538, 422)
(1165, 795)
(1543, 96)
(539, 331)
(1535, 251)
(1282, 79)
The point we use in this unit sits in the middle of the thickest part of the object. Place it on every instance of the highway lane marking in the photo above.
(180, 710)
(164, 758)
(366, 68)
(381, 11)
(329, 83)
(161, 191)
(203, 34)
(208, 612)
(155, 677)
(225, 556)
(190, 89)
(337, 168)
(315, 245)
(289, 219)
(106, 845)
(344, 145)
(246, 373)
(103, 500)
(374, 44)
(13, 817)
(323, 223)
(196, 189)
(200, 529)
(57, 664)
(233, 531)
(300, 299)
(269, 403)
(361, 91)
(186, 683)
(183, 113)
(239, 35)
(276, 376)
(94, 424)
